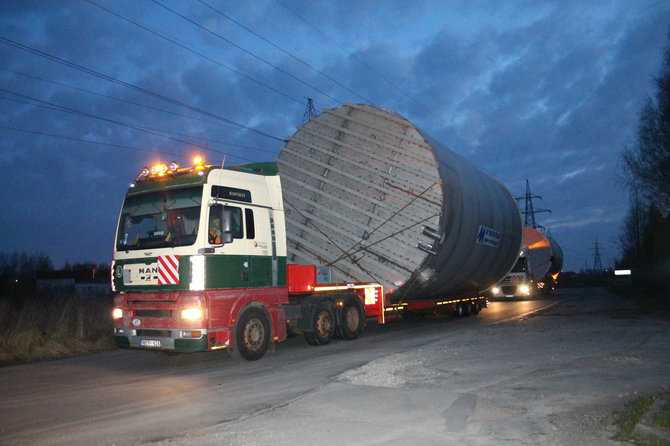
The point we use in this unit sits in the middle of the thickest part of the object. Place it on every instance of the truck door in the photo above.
(262, 247)
(229, 267)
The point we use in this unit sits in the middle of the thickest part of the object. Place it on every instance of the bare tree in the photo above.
(647, 165)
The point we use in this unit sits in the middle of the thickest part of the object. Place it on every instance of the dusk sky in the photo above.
(92, 91)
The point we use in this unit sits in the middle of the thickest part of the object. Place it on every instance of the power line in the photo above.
(138, 104)
(529, 210)
(227, 144)
(250, 53)
(359, 60)
(310, 111)
(285, 52)
(597, 262)
(58, 107)
(204, 56)
(90, 141)
(84, 69)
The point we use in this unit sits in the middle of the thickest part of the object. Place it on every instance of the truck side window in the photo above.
(249, 219)
(222, 220)
(235, 221)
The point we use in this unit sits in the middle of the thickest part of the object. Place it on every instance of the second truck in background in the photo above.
(537, 269)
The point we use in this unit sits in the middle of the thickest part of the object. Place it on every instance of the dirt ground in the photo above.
(551, 377)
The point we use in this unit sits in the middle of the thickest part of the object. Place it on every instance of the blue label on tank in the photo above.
(489, 237)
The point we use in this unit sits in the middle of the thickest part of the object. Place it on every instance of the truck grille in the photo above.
(154, 313)
(154, 333)
(508, 289)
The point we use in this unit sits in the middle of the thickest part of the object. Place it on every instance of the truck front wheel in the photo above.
(252, 334)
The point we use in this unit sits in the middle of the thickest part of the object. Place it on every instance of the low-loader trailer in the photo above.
(363, 217)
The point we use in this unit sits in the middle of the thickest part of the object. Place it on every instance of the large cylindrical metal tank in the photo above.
(556, 257)
(375, 198)
(543, 253)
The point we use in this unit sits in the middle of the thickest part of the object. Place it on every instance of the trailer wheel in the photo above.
(459, 312)
(323, 326)
(352, 321)
(476, 308)
(252, 334)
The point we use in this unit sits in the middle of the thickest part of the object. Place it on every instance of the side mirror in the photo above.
(219, 226)
(226, 237)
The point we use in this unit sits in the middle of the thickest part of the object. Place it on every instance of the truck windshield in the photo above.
(520, 266)
(160, 219)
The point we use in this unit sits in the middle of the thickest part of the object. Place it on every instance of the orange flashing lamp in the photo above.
(159, 169)
(198, 163)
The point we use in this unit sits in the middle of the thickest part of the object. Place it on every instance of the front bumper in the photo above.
(165, 340)
(509, 291)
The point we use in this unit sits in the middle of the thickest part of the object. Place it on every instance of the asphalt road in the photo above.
(535, 372)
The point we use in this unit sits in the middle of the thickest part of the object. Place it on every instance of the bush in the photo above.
(36, 327)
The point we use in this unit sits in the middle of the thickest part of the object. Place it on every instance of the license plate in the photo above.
(150, 343)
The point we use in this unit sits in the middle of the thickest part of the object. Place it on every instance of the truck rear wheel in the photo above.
(475, 307)
(252, 334)
(352, 321)
(322, 326)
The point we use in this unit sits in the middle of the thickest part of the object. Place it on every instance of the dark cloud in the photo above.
(541, 91)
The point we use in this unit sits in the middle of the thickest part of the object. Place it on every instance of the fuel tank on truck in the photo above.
(376, 199)
(543, 254)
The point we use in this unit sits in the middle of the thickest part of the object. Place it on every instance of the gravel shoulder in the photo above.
(552, 377)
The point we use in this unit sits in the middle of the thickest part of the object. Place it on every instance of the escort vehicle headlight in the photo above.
(117, 313)
(191, 314)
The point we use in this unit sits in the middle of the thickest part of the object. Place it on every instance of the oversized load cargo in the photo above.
(544, 255)
(557, 258)
(375, 198)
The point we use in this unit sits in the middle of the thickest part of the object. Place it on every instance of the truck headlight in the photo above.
(117, 313)
(191, 314)
(495, 290)
(524, 289)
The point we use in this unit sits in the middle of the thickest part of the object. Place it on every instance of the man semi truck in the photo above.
(537, 269)
(362, 216)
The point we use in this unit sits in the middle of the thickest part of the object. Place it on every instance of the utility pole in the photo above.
(310, 111)
(529, 211)
(597, 263)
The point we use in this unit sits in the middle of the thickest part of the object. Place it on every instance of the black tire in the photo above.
(252, 334)
(475, 308)
(322, 325)
(459, 312)
(352, 321)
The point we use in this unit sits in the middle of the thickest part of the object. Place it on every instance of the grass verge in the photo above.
(34, 327)
(648, 299)
(632, 414)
